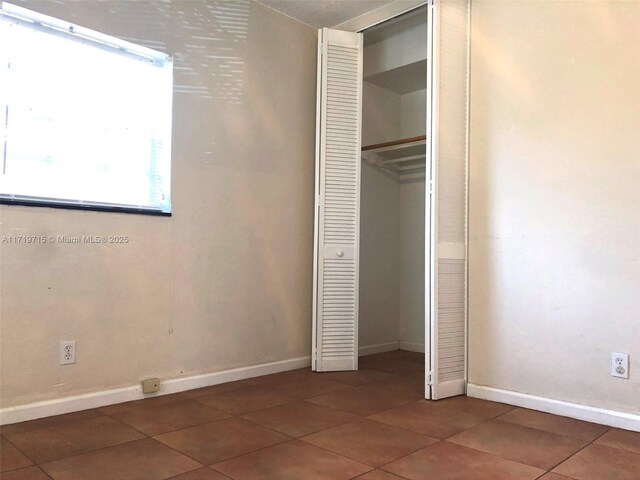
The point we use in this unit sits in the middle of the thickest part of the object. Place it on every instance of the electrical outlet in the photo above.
(67, 352)
(620, 365)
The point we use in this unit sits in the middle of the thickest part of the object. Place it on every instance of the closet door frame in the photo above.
(430, 211)
(431, 175)
(363, 25)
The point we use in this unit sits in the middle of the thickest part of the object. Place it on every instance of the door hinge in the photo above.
(430, 183)
(429, 378)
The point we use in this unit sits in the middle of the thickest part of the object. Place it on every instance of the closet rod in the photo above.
(395, 142)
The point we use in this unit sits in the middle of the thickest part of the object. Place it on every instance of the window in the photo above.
(85, 117)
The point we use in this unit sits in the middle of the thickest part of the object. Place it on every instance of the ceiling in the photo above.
(324, 13)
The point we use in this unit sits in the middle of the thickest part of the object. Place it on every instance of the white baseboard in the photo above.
(613, 418)
(412, 346)
(58, 406)
(379, 348)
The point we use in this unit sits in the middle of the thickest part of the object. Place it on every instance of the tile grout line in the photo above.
(177, 429)
(37, 467)
(554, 433)
(75, 455)
(52, 426)
(340, 455)
(575, 453)
(380, 468)
(521, 463)
(43, 472)
(212, 465)
(6, 439)
(405, 456)
(635, 452)
(90, 451)
(146, 436)
(226, 459)
(547, 431)
(481, 451)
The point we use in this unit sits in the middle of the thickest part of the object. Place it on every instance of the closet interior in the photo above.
(392, 202)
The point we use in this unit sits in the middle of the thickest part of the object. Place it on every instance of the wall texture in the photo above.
(391, 260)
(412, 263)
(380, 269)
(226, 281)
(413, 107)
(554, 223)
(380, 114)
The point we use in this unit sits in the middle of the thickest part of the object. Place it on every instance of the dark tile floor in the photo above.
(372, 425)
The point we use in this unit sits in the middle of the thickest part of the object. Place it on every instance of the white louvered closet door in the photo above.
(449, 27)
(337, 225)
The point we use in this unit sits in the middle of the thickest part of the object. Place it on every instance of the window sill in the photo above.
(89, 208)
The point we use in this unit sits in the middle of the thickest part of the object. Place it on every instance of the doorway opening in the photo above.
(393, 195)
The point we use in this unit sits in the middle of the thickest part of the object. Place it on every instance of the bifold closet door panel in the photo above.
(449, 198)
(337, 225)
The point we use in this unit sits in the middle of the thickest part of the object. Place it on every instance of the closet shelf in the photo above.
(406, 157)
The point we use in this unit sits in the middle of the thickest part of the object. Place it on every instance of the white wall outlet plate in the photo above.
(620, 365)
(67, 352)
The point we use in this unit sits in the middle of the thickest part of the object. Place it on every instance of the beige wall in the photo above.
(412, 266)
(554, 223)
(413, 107)
(391, 260)
(379, 258)
(226, 281)
(381, 114)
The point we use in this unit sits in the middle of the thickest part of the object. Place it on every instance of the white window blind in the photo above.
(85, 117)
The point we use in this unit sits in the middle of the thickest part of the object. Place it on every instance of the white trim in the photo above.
(316, 208)
(379, 348)
(613, 418)
(466, 193)
(379, 15)
(56, 26)
(432, 124)
(58, 406)
(412, 347)
(429, 224)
